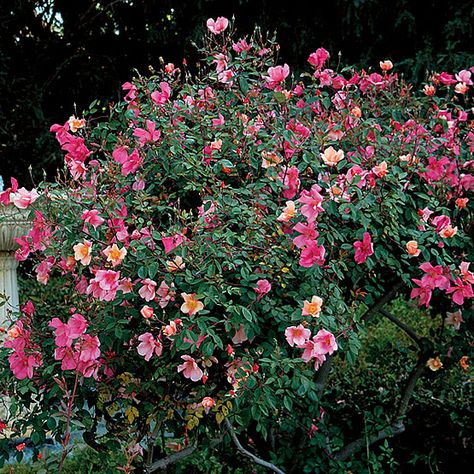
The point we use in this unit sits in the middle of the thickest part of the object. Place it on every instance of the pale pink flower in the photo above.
(448, 231)
(380, 170)
(147, 312)
(324, 342)
(218, 26)
(263, 287)
(23, 198)
(191, 304)
(190, 369)
(464, 76)
(332, 157)
(461, 88)
(297, 335)
(454, 319)
(165, 294)
(147, 291)
(83, 252)
(363, 248)
(467, 276)
(412, 248)
(312, 308)
(226, 76)
(149, 345)
(240, 335)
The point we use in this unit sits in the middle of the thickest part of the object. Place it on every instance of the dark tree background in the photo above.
(57, 53)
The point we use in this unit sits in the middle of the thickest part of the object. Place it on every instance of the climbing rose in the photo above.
(190, 369)
(363, 248)
(218, 26)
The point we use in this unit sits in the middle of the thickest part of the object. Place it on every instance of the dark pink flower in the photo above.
(363, 248)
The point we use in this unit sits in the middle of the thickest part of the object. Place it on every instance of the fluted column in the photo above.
(8, 283)
(14, 223)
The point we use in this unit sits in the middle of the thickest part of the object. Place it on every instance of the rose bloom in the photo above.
(386, 65)
(448, 232)
(288, 213)
(147, 312)
(175, 264)
(429, 90)
(434, 364)
(82, 252)
(461, 88)
(463, 363)
(191, 305)
(462, 202)
(332, 157)
(454, 319)
(114, 254)
(313, 308)
(208, 402)
(75, 124)
(412, 248)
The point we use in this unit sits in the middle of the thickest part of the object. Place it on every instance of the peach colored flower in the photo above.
(434, 364)
(429, 90)
(288, 212)
(412, 248)
(270, 158)
(463, 363)
(461, 88)
(381, 169)
(462, 202)
(208, 402)
(386, 65)
(82, 252)
(75, 124)
(332, 157)
(176, 264)
(114, 254)
(448, 232)
(191, 305)
(171, 329)
(313, 308)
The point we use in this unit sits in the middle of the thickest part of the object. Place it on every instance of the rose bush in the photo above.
(223, 235)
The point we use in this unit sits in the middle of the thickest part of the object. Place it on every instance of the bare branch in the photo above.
(175, 457)
(379, 304)
(323, 374)
(247, 453)
(393, 429)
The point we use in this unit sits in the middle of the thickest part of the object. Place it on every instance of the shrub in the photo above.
(223, 237)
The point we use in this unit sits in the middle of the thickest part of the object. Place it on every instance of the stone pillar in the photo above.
(14, 223)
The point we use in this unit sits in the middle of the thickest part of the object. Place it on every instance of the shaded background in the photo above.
(57, 53)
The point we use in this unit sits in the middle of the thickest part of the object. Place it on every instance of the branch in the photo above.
(378, 305)
(171, 459)
(243, 451)
(175, 457)
(393, 429)
(401, 325)
(323, 374)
